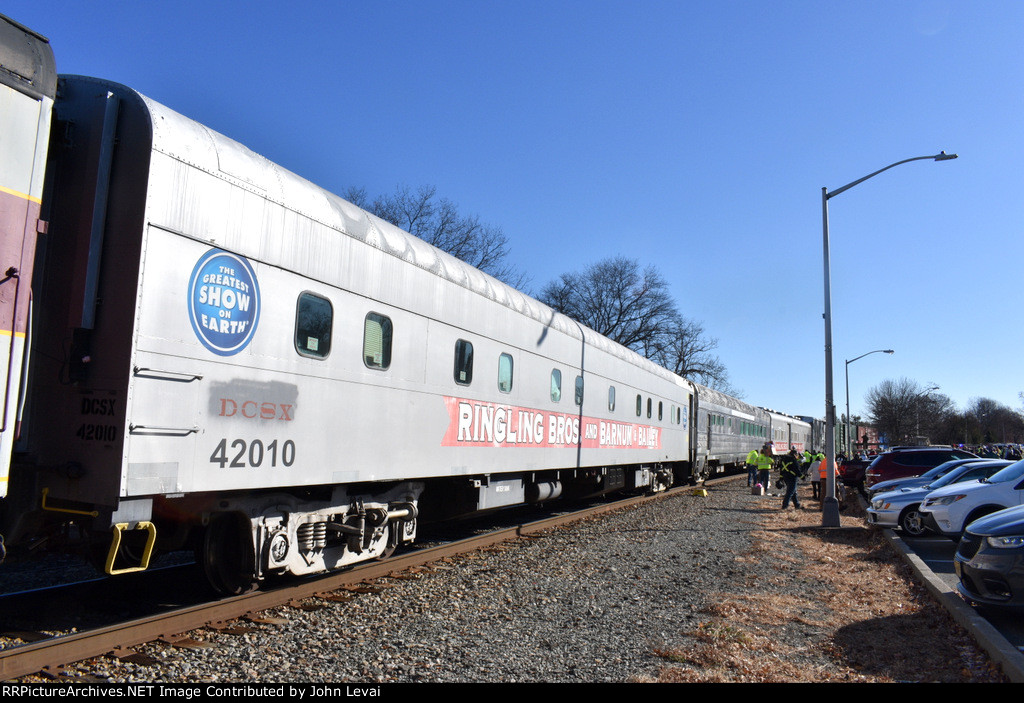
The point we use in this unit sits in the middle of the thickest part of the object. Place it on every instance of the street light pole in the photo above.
(849, 448)
(830, 506)
(917, 414)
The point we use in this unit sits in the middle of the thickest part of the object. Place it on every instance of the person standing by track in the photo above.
(789, 471)
(817, 473)
(752, 467)
(764, 466)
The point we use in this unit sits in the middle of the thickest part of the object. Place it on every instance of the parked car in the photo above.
(852, 471)
(916, 481)
(910, 461)
(948, 510)
(901, 507)
(989, 560)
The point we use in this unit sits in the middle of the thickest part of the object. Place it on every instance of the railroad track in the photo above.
(50, 654)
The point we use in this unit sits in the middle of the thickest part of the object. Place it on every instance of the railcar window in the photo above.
(579, 390)
(650, 406)
(377, 333)
(463, 362)
(611, 398)
(660, 405)
(556, 385)
(505, 373)
(639, 405)
(314, 318)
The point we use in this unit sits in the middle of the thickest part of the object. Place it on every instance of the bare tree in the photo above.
(437, 221)
(905, 412)
(617, 299)
(632, 305)
(994, 422)
(891, 405)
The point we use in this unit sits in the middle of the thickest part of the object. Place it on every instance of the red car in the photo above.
(852, 471)
(910, 461)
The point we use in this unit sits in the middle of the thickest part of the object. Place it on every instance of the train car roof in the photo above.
(726, 401)
(26, 60)
(778, 413)
(184, 139)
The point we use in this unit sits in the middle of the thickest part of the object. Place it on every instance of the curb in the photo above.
(988, 637)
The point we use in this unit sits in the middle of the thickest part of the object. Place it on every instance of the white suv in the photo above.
(950, 509)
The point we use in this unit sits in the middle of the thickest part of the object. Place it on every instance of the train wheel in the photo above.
(394, 531)
(227, 557)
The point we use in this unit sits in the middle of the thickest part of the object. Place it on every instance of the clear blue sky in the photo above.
(692, 135)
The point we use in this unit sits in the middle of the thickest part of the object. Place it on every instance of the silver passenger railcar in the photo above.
(789, 432)
(727, 429)
(230, 357)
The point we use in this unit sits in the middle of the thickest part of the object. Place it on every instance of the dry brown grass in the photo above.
(833, 606)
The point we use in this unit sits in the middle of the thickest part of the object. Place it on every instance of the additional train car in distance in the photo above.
(817, 430)
(727, 429)
(789, 432)
(28, 84)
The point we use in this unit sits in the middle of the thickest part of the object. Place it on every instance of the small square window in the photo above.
(377, 333)
(556, 385)
(463, 362)
(505, 373)
(314, 318)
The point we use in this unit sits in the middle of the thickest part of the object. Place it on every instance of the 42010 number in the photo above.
(253, 454)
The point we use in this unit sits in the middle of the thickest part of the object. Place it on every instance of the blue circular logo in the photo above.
(223, 302)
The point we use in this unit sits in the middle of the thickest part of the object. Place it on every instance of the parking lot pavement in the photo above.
(1001, 633)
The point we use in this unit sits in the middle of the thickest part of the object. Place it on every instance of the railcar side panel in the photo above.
(27, 90)
(728, 429)
(788, 432)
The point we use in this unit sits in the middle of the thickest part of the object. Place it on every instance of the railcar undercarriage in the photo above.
(242, 538)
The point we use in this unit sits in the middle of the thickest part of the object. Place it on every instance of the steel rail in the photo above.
(63, 650)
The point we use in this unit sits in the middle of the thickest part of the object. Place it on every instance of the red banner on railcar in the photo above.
(473, 423)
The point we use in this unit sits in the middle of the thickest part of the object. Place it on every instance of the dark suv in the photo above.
(910, 461)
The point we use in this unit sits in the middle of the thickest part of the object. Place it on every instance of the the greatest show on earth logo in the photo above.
(223, 302)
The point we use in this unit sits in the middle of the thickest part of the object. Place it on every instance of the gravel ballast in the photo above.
(601, 600)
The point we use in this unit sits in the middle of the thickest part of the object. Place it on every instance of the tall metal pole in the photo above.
(830, 506)
(849, 447)
(849, 444)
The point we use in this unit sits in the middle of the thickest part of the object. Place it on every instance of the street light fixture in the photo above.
(849, 446)
(830, 507)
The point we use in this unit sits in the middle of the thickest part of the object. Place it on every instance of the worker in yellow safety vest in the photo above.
(752, 467)
(764, 466)
(816, 470)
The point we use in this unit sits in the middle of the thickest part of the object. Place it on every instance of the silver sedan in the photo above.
(900, 508)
